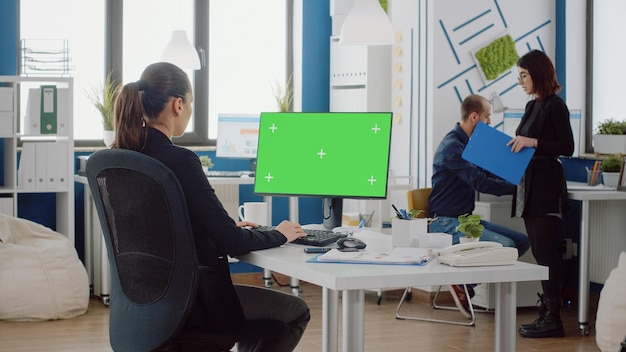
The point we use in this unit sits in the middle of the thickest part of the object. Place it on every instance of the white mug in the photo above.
(255, 212)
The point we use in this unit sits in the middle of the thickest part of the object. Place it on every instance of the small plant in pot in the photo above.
(103, 98)
(206, 162)
(611, 166)
(470, 225)
(611, 137)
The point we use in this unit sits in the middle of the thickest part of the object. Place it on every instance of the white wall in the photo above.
(440, 81)
(437, 71)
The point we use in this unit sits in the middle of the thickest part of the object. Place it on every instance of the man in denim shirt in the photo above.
(455, 182)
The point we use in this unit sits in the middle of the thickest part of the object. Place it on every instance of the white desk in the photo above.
(353, 279)
(586, 197)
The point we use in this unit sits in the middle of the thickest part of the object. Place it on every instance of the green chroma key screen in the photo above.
(330, 154)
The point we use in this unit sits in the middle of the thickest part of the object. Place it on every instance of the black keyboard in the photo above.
(316, 238)
(228, 173)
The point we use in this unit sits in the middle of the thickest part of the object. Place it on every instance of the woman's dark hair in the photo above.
(143, 100)
(542, 72)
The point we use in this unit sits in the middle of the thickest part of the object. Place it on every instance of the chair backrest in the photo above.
(148, 236)
(418, 200)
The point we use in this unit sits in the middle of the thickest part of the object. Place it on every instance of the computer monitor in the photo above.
(334, 155)
(237, 135)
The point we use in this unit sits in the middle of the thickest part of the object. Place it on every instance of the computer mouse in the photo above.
(350, 244)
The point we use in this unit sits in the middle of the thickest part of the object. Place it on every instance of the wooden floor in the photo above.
(383, 332)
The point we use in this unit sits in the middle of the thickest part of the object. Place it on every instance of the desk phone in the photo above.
(476, 254)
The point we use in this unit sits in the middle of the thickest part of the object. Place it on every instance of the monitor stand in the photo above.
(331, 212)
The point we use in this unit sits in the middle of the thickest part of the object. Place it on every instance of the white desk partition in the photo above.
(353, 279)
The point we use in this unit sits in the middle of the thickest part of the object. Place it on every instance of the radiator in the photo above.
(228, 194)
(607, 239)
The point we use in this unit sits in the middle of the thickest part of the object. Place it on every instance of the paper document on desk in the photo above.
(487, 149)
(396, 256)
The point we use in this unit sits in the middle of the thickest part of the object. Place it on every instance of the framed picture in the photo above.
(495, 57)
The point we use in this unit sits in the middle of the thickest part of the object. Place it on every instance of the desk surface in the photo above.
(291, 260)
(580, 191)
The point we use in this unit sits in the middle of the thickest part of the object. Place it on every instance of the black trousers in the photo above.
(263, 303)
(544, 235)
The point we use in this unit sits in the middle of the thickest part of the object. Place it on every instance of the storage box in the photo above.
(6, 99)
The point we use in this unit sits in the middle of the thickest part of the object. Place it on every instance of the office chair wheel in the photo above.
(585, 329)
(106, 300)
(380, 298)
(409, 295)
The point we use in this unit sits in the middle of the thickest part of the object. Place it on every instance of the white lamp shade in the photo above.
(366, 24)
(181, 52)
(496, 103)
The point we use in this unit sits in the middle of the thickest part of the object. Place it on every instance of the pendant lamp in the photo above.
(181, 52)
(366, 24)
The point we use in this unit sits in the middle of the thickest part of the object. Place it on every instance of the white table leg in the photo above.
(329, 320)
(583, 269)
(353, 320)
(505, 329)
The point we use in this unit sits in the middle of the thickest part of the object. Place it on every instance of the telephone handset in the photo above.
(476, 254)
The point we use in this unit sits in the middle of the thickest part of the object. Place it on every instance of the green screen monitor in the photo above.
(328, 154)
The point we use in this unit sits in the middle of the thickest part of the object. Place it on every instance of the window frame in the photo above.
(114, 58)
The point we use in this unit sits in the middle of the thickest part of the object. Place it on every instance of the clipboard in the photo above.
(487, 149)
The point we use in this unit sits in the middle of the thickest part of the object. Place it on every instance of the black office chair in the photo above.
(153, 258)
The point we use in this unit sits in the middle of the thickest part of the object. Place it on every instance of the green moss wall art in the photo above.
(496, 57)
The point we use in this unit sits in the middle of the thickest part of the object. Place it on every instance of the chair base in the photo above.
(472, 310)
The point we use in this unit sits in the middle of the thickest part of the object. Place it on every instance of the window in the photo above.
(246, 57)
(45, 19)
(608, 54)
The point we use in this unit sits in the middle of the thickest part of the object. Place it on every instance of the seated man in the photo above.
(455, 182)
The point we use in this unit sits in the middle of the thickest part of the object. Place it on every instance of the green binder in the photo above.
(48, 110)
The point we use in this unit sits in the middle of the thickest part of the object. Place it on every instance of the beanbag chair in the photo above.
(611, 315)
(41, 276)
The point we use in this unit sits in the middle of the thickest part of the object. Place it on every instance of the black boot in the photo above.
(541, 309)
(551, 324)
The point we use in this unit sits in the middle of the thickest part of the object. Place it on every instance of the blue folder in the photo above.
(487, 148)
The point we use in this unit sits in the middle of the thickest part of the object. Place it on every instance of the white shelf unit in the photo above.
(56, 173)
(360, 77)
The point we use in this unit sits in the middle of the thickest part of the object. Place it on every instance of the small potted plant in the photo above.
(611, 166)
(611, 137)
(470, 225)
(206, 162)
(284, 95)
(103, 98)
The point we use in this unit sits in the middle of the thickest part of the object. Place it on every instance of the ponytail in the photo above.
(129, 121)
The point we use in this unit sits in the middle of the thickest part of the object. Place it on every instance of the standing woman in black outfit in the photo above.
(148, 113)
(541, 198)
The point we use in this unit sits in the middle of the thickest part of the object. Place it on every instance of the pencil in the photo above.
(594, 172)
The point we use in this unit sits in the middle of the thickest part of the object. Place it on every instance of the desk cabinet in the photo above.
(499, 212)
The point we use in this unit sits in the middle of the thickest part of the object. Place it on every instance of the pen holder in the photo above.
(407, 233)
(593, 177)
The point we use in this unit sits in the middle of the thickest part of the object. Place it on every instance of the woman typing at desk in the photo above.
(148, 113)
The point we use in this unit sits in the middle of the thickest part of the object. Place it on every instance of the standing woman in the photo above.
(148, 113)
(541, 198)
